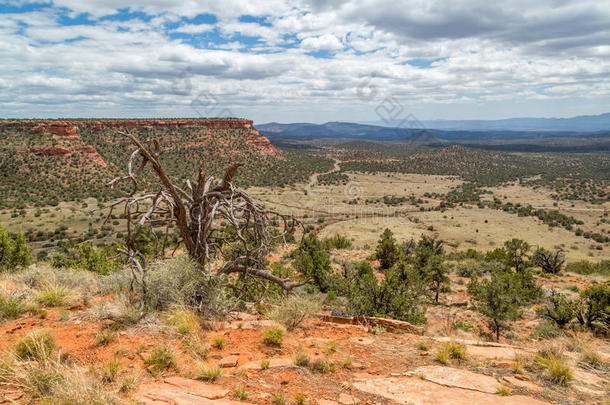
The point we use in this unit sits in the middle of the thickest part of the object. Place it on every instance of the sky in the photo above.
(304, 61)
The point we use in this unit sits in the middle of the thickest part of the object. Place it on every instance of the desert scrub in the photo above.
(241, 393)
(264, 364)
(10, 307)
(273, 337)
(161, 359)
(219, 342)
(423, 345)
(504, 391)
(292, 311)
(127, 385)
(36, 345)
(55, 296)
(209, 373)
(299, 398)
(301, 359)
(555, 365)
(278, 398)
(451, 350)
(111, 371)
(185, 321)
(321, 366)
(331, 347)
(104, 338)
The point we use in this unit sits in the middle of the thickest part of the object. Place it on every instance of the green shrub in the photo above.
(10, 307)
(398, 295)
(311, 259)
(387, 251)
(586, 267)
(593, 306)
(559, 309)
(14, 251)
(161, 359)
(273, 337)
(219, 342)
(337, 242)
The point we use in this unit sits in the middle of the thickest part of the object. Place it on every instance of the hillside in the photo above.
(47, 161)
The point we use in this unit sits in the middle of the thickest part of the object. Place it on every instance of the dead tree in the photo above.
(549, 261)
(223, 229)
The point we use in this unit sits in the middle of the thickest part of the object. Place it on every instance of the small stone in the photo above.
(229, 361)
(423, 354)
(521, 377)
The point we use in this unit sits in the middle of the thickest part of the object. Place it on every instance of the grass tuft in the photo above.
(161, 359)
(273, 337)
(209, 373)
(55, 296)
(37, 345)
(451, 350)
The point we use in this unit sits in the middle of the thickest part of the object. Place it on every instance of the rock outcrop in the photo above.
(67, 141)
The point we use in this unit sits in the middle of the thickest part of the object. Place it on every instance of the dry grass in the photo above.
(451, 350)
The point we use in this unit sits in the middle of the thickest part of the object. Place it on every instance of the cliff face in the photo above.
(66, 139)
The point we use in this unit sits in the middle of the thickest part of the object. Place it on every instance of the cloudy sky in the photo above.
(316, 61)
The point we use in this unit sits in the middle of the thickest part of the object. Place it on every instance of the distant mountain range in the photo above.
(438, 130)
(583, 123)
(348, 130)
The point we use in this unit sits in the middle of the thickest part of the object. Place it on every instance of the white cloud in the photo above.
(326, 42)
(507, 56)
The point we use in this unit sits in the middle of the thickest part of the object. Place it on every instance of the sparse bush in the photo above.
(178, 282)
(273, 337)
(104, 338)
(398, 295)
(331, 347)
(547, 330)
(111, 371)
(337, 242)
(423, 345)
(37, 345)
(264, 364)
(301, 359)
(451, 350)
(321, 366)
(504, 391)
(219, 342)
(278, 398)
(293, 310)
(53, 296)
(185, 321)
(160, 360)
(10, 307)
(556, 367)
(497, 299)
(241, 393)
(586, 267)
